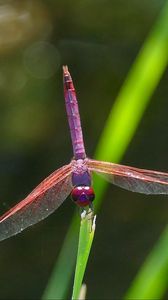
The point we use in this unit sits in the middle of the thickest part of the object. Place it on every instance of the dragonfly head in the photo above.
(83, 195)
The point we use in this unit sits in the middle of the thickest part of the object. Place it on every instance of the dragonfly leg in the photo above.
(87, 212)
(83, 213)
(91, 206)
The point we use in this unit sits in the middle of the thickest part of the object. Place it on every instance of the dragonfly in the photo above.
(75, 178)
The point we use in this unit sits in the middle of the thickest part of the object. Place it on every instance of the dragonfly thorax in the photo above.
(83, 195)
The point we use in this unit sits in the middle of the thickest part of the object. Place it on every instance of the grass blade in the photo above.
(152, 279)
(58, 285)
(87, 230)
(133, 98)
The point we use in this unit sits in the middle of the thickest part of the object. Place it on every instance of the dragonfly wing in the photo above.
(132, 179)
(40, 203)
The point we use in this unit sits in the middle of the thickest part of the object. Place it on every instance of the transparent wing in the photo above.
(132, 179)
(40, 203)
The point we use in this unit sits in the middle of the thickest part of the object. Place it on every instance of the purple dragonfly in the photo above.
(75, 178)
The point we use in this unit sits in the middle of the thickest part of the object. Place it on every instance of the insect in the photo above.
(75, 178)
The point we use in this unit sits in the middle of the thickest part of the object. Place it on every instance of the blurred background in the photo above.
(99, 41)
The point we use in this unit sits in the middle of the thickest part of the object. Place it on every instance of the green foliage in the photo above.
(58, 284)
(151, 281)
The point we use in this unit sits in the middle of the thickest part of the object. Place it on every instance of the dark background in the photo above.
(99, 41)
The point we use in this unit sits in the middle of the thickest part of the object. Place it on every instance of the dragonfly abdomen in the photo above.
(73, 116)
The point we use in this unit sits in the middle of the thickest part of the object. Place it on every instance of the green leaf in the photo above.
(87, 230)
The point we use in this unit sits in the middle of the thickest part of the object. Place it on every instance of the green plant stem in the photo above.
(86, 235)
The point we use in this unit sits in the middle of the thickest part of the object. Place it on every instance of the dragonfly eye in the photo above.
(83, 195)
